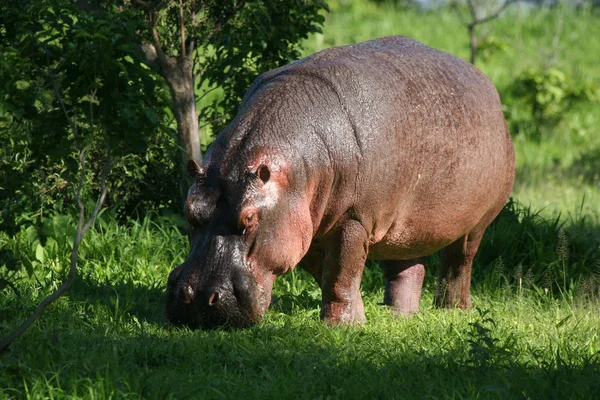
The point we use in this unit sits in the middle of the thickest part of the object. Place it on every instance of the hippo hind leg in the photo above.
(403, 284)
(454, 284)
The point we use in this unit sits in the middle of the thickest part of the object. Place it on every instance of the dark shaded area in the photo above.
(549, 252)
(253, 362)
(146, 303)
(269, 363)
(519, 248)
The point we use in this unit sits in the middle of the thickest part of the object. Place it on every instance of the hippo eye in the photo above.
(249, 221)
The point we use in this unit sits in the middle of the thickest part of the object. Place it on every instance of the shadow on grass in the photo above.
(296, 360)
(549, 251)
(587, 167)
(520, 245)
(146, 303)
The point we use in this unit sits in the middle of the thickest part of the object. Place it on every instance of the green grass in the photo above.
(534, 331)
(108, 337)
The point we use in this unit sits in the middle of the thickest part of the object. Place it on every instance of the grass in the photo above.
(534, 332)
(429, 356)
(108, 337)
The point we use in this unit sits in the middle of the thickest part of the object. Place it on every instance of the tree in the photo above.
(220, 44)
(108, 97)
(92, 44)
(74, 74)
(478, 16)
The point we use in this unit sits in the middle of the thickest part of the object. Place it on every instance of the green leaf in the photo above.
(562, 321)
(39, 253)
(28, 266)
(22, 85)
(31, 233)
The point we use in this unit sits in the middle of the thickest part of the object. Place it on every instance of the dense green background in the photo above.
(535, 328)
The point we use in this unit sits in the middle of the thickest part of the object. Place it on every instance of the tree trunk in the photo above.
(472, 42)
(180, 78)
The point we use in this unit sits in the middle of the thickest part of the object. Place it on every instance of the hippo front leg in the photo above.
(342, 272)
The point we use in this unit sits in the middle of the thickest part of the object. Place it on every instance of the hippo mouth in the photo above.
(226, 313)
(214, 303)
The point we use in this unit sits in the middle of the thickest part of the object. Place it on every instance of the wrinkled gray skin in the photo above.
(386, 150)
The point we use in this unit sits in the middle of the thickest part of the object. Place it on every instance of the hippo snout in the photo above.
(209, 303)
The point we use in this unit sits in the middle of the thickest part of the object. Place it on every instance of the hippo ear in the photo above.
(194, 169)
(264, 173)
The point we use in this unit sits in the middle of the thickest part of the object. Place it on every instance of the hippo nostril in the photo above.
(213, 299)
(187, 293)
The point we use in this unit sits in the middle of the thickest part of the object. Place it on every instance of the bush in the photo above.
(538, 98)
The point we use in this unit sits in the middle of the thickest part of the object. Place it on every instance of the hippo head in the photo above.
(245, 230)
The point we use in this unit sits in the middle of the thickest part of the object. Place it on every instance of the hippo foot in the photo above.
(454, 293)
(340, 313)
(447, 301)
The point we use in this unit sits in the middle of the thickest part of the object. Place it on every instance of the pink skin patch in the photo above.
(287, 240)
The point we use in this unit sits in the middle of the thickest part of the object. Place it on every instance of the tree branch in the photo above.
(60, 99)
(472, 11)
(191, 41)
(182, 27)
(149, 53)
(162, 57)
(475, 20)
(190, 45)
(207, 92)
(81, 231)
(490, 17)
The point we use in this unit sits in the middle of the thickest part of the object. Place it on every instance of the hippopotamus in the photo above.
(386, 150)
